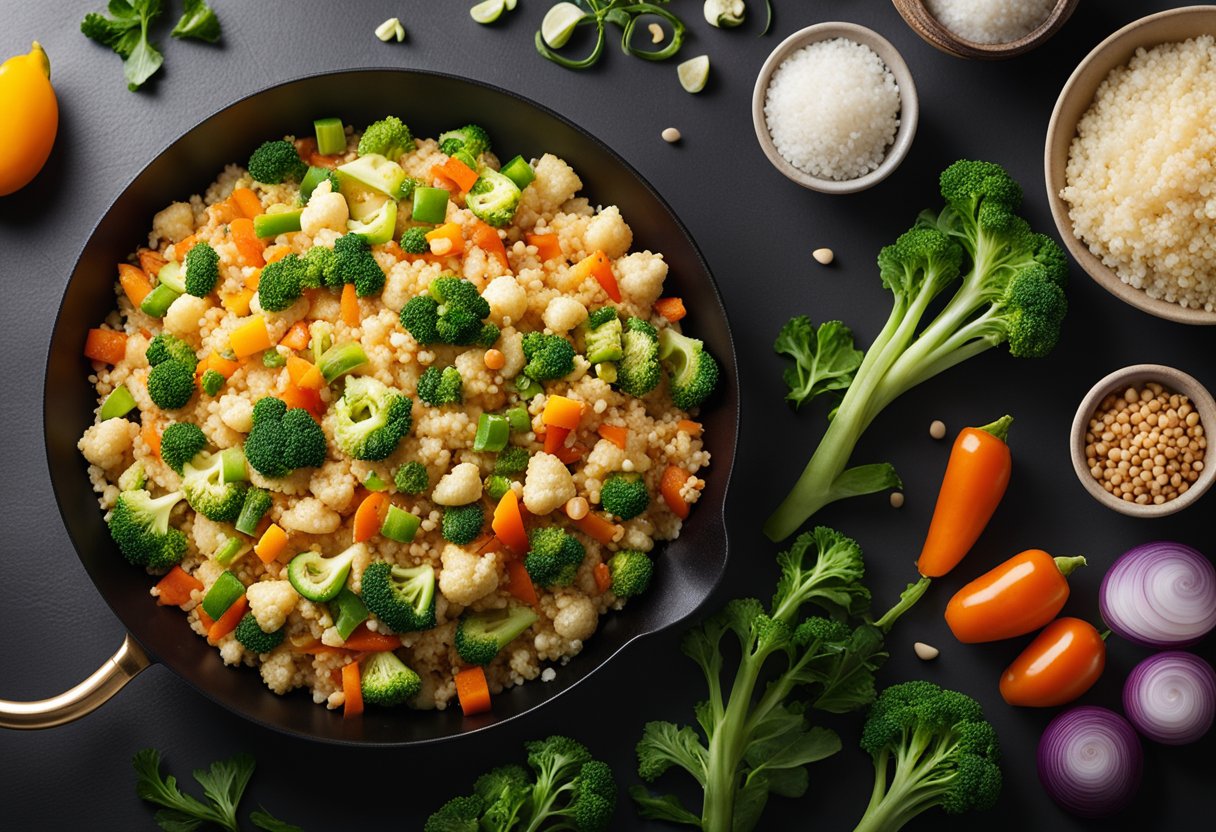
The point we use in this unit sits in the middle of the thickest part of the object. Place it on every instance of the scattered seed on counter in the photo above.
(937, 429)
(1145, 445)
(926, 652)
(656, 33)
(824, 256)
(670, 135)
(897, 499)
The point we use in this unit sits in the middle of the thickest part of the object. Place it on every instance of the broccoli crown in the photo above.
(274, 162)
(594, 800)
(212, 381)
(208, 493)
(322, 266)
(493, 198)
(630, 571)
(389, 137)
(386, 680)
(283, 439)
(625, 495)
(638, 371)
(254, 639)
(451, 313)
(411, 478)
(462, 524)
(283, 281)
(548, 356)
(439, 387)
(922, 259)
(355, 264)
(480, 636)
(460, 814)
(371, 418)
(401, 597)
(981, 192)
(820, 629)
(179, 444)
(565, 766)
(511, 460)
(504, 791)
(139, 525)
(601, 316)
(413, 241)
(202, 269)
(553, 556)
(694, 372)
(496, 486)
(171, 384)
(472, 139)
(165, 346)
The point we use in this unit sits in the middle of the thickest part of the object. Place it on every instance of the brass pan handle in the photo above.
(90, 694)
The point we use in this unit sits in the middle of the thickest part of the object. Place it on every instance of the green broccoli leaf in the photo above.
(750, 802)
(225, 781)
(183, 811)
(666, 807)
(126, 32)
(824, 358)
(198, 21)
(264, 820)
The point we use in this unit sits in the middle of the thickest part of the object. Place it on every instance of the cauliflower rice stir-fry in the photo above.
(395, 423)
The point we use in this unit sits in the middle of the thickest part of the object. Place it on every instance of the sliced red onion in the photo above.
(1090, 761)
(1171, 697)
(1160, 594)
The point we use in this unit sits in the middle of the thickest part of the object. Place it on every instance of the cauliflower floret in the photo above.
(640, 277)
(467, 576)
(511, 345)
(279, 672)
(271, 602)
(564, 314)
(172, 224)
(555, 183)
(547, 485)
(236, 412)
(458, 487)
(604, 458)
(325, 209)
(105, 445)
(576, 621)
(311, 516)
(609, 233)
(185, 314)
(334, 485)
(508, 300)
(208, 535)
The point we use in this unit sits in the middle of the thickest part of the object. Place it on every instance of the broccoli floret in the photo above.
(496, 486)
(388, 137)
(598, 317)
(563, 765)
(283, 439)
(139, 525)
(402, 597)
(480, 636)
(387, 681)
(511, 460)
(452, 312)
(630, 571)
(625, 495)
(414, 241)
(355, 264)
(603, 339)
(411, 478)
(274, 162)
(943, 752)
(460, 814)
(437, 388)
(171, 384)
(164, 347)
(322, 266)
(371, 418)
(208, 491)
(472, 139)
(134, 477)
(553, 556)
(212, 382)
(202, 267)
(693, 371)
(638, 371)
(493, 198)
(179, 444)
(505, 791)
(548, 356)
(283, 281)
(254, 639)
(462, 524)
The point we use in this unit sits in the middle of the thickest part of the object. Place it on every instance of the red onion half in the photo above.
(1090, 761)
(1160, 594)
(1171, 697)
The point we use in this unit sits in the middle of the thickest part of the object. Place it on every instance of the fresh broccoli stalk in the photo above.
(472, 139)
(355, 264)
(414, 241)
(254, 639)
(439, 387)
(274, 162)
(411, 478)
(212, 382)
(480, 636)
(171, 384)
(387, 681)
(214, 484)
(824, 358)
(257, 502)
(165, 347)
(134, 477)
(462, 524)
(402, 597)
(496, 486)
(943, 752)
(624, 494)
(341, 359)
(388, 137)
(603, 339)
(322, 266)
(139, 525)
(631, 571)
(493, 198)
(511, 460)
(638, 370)
(548, 356)
(1004, 284)
(370, 418)
(319, 578)
(283, 439)
(693, 371)
(179, 444)
(452, 312)
(202, 265)
(283, 281)
(553, 556)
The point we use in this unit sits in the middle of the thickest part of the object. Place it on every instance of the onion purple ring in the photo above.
(1171, 697)
(1160, 594)
(1090, 761)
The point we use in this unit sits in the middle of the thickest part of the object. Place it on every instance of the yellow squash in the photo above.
(29, 118)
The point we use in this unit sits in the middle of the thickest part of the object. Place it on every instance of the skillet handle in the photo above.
(90, 694)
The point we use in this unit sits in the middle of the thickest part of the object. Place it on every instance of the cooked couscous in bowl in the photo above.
(393, 422)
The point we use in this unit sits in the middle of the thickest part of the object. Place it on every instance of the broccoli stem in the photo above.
(726, 750)
(913, 789)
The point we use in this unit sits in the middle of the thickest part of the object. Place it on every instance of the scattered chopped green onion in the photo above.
(170, 275)
(348, 612)
(272, 225)
(222, 595)
(527, 387)
(400, 525)
(492, 432)
(374, 483)
(119, 403)
(233, 548)
(331, 137)
(518, 419)
(272, 359)
(519, 171)
(430, 205)
(340, 359)
(157, 302)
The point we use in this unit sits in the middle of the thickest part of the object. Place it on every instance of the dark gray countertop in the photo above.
(757, 231)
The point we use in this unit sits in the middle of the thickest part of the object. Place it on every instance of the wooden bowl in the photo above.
(1075, 98)
(936, 34)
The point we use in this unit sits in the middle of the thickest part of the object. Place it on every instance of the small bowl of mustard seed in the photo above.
(1139, 440)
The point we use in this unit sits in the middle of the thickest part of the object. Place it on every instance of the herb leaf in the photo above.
(126, 32)
(225, 782)
(183, 810)
(264, 820)
(198, 21)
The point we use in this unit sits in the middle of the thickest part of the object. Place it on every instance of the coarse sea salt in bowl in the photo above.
(835, 108)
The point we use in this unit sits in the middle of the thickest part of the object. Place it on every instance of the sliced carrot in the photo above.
(274, 254)
(555, 438)
(473, 691)
(272, 543)
(151, 436)
(250, 337)
(304, 374)
(151, 261)
(247, 243)
(134, 282)
(369, 517)
(570, 455)
(597, 528)
(561, 412)
(105, 345)
(239, 303)
(688, 426)
(297, 337)
(227, 622)
(448, 231)
(670, 486)
(394, 249)
(319, 649)
(176, 586)
(247, 201)
(603, 577)
(486, 238)
(364, 640)
(508, 523)
(598, 266)
(182, 246)
(352, 691)
(203, 618)
(217, 362)
(616, 434)
(442, 180)
(519, 583)
(548, 247)
(309, 400)
(349, 305)
(670, 308)
(460, 173)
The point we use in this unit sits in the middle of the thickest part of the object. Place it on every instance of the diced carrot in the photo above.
(227, 622)
(176, 586)
(238, 303)
(561, 412)
(670, 308)
(203, 618)
(473, 691)
(597, 528)
(247, 243)
(250, 337)
(519, 583)
(134, 282)
(150, 433)
(460, 173)
(309, 400)
(306, 148)
(151, 261)
(555, 438)
(254, 280)
(304, 374)
(616, 434)
(690, 427)
(598, 266)
(247, 201)
(349, 305)
(274, 254)
(670, 486)
(448, 231)
(272, 543)
(105, 345)
(369, 517)
(570, 455)
(548, 247)
(352, 691)
(297, 337)
(603, 577)
(364, 640)
(442, 180)
(508, 523)
(486, 238)
(217, 362)
(182, 246)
